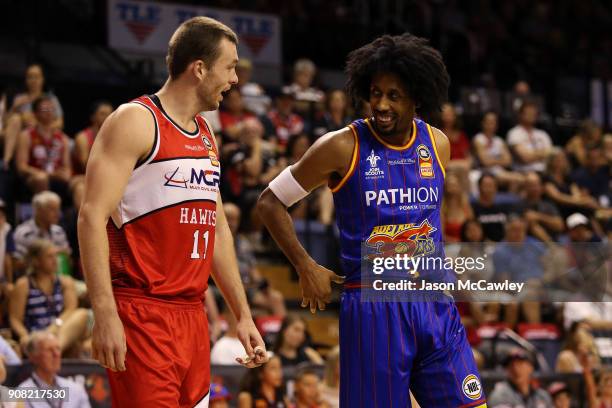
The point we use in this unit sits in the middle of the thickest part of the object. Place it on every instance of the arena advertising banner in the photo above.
(145, 27)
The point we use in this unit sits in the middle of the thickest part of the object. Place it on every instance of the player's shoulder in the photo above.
(440, 137)
(338, 140)
(132, 118)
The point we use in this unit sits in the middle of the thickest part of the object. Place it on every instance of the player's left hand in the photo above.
(253, 343)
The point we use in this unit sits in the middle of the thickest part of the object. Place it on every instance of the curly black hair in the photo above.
(420, 67)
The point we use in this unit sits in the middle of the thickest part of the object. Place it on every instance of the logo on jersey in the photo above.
(409, 239)
(140, 19)
(199, 179)
(402, 161)
(374, 172)
(213, 158)
(207, 143)
(425, 162)
(392, 196)
(471, 387)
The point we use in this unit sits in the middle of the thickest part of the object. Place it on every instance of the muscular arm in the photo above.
(125, 137)
(442, 145)
(330, 154)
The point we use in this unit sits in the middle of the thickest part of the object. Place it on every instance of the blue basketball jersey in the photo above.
(390, 199)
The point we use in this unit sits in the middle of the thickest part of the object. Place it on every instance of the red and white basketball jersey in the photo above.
(162, 234)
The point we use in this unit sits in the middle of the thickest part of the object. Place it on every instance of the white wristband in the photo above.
(286, 188)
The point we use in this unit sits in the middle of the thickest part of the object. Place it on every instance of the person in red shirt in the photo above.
(152, 230)
(43, 157)
(460, 145)
(281, 123)
(85, 138)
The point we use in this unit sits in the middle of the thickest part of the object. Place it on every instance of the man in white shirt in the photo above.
(530, 145)
(228, 347)
(45, 355)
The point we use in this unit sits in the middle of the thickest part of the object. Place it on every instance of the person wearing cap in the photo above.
(281, 123)
(579, 229)
(518, 390)
(253, 94)
(219, 396)
(560, 395)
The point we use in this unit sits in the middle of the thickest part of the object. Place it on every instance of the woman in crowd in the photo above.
(85, 138)
(559, 188)
(460, 145)
(234, 114)
(335, 116)
(42, 300)
(589, 135)
(579, 342)
(330, 389)
(291, 345)
(456, 208)
(262, 387)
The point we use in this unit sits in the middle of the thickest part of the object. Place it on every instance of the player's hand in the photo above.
(315, 282)
(108, 341)
(254, 345)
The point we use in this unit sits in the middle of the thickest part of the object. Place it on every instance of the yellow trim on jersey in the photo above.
(482, 406)
(354, 158)
(433, 142)
(390, 146)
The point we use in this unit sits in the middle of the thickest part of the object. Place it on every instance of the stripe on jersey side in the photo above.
(193, 135)
(156, 142)
(435, 146)
(353, 165)
(163, 184)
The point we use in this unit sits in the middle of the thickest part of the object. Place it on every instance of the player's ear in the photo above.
(199, 69)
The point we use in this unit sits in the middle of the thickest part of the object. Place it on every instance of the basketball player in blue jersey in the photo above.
(387, 176)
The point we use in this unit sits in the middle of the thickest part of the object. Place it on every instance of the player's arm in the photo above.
(330, 155)
(442, 145)
(227, 277)
(126, 136)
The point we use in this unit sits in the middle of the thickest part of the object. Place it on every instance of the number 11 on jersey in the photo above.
(196, 240)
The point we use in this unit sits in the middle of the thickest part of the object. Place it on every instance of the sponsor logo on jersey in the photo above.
(140, 19)
(396, 162)
(199, 179)
(409, 239)
(213, 158)
(374, 172)
(207, 143)
(424, 195)
(196, 148)
(471, 387)
(425, 162)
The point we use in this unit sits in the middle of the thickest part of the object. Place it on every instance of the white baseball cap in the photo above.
(575, 220)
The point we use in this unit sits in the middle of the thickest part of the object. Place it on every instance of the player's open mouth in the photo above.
(384, 119)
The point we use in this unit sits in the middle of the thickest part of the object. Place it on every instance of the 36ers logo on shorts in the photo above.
(471, 387)
(425, 162)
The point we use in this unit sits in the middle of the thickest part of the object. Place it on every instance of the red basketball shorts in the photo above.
(168, 354)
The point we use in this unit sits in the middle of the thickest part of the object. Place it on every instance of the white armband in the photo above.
(286, 188)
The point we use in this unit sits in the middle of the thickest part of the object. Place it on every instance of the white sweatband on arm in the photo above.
(286, 188)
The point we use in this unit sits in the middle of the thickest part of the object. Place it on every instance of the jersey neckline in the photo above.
(157, 102)
(411, 140)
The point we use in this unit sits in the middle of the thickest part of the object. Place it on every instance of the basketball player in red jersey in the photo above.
(152, 211)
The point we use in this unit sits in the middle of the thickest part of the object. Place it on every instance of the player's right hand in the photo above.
(108, 341)
(315, 282)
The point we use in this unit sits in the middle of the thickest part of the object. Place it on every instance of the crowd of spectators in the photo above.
(517, 193)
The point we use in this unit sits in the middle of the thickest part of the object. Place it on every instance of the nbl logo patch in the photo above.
(207, 142)
(471, 387)
(425, 162)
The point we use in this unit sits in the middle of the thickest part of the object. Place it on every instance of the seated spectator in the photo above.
(219, 396)
(491, 215)
(335, 116)
(290, 345)
(259, 292)
(589, 136)
(21, 115)
(519, 390)
(8, 356)
(560, 395)
(330, 389)
(593, 178)
(308, 98)
(530, 145)
(456, 208)
(493, 154)
(459, 143)
(559, 188)
(307, 390)
(84, 140)
(43, 154)
(253, 94)
(281, 123)
(263, 386)
(545, 221)
(44, 353)
(42, 300)
(599, 394)
(233, 114)
(579, 341)
(43, 225)
(228, 347)
(518, 259)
